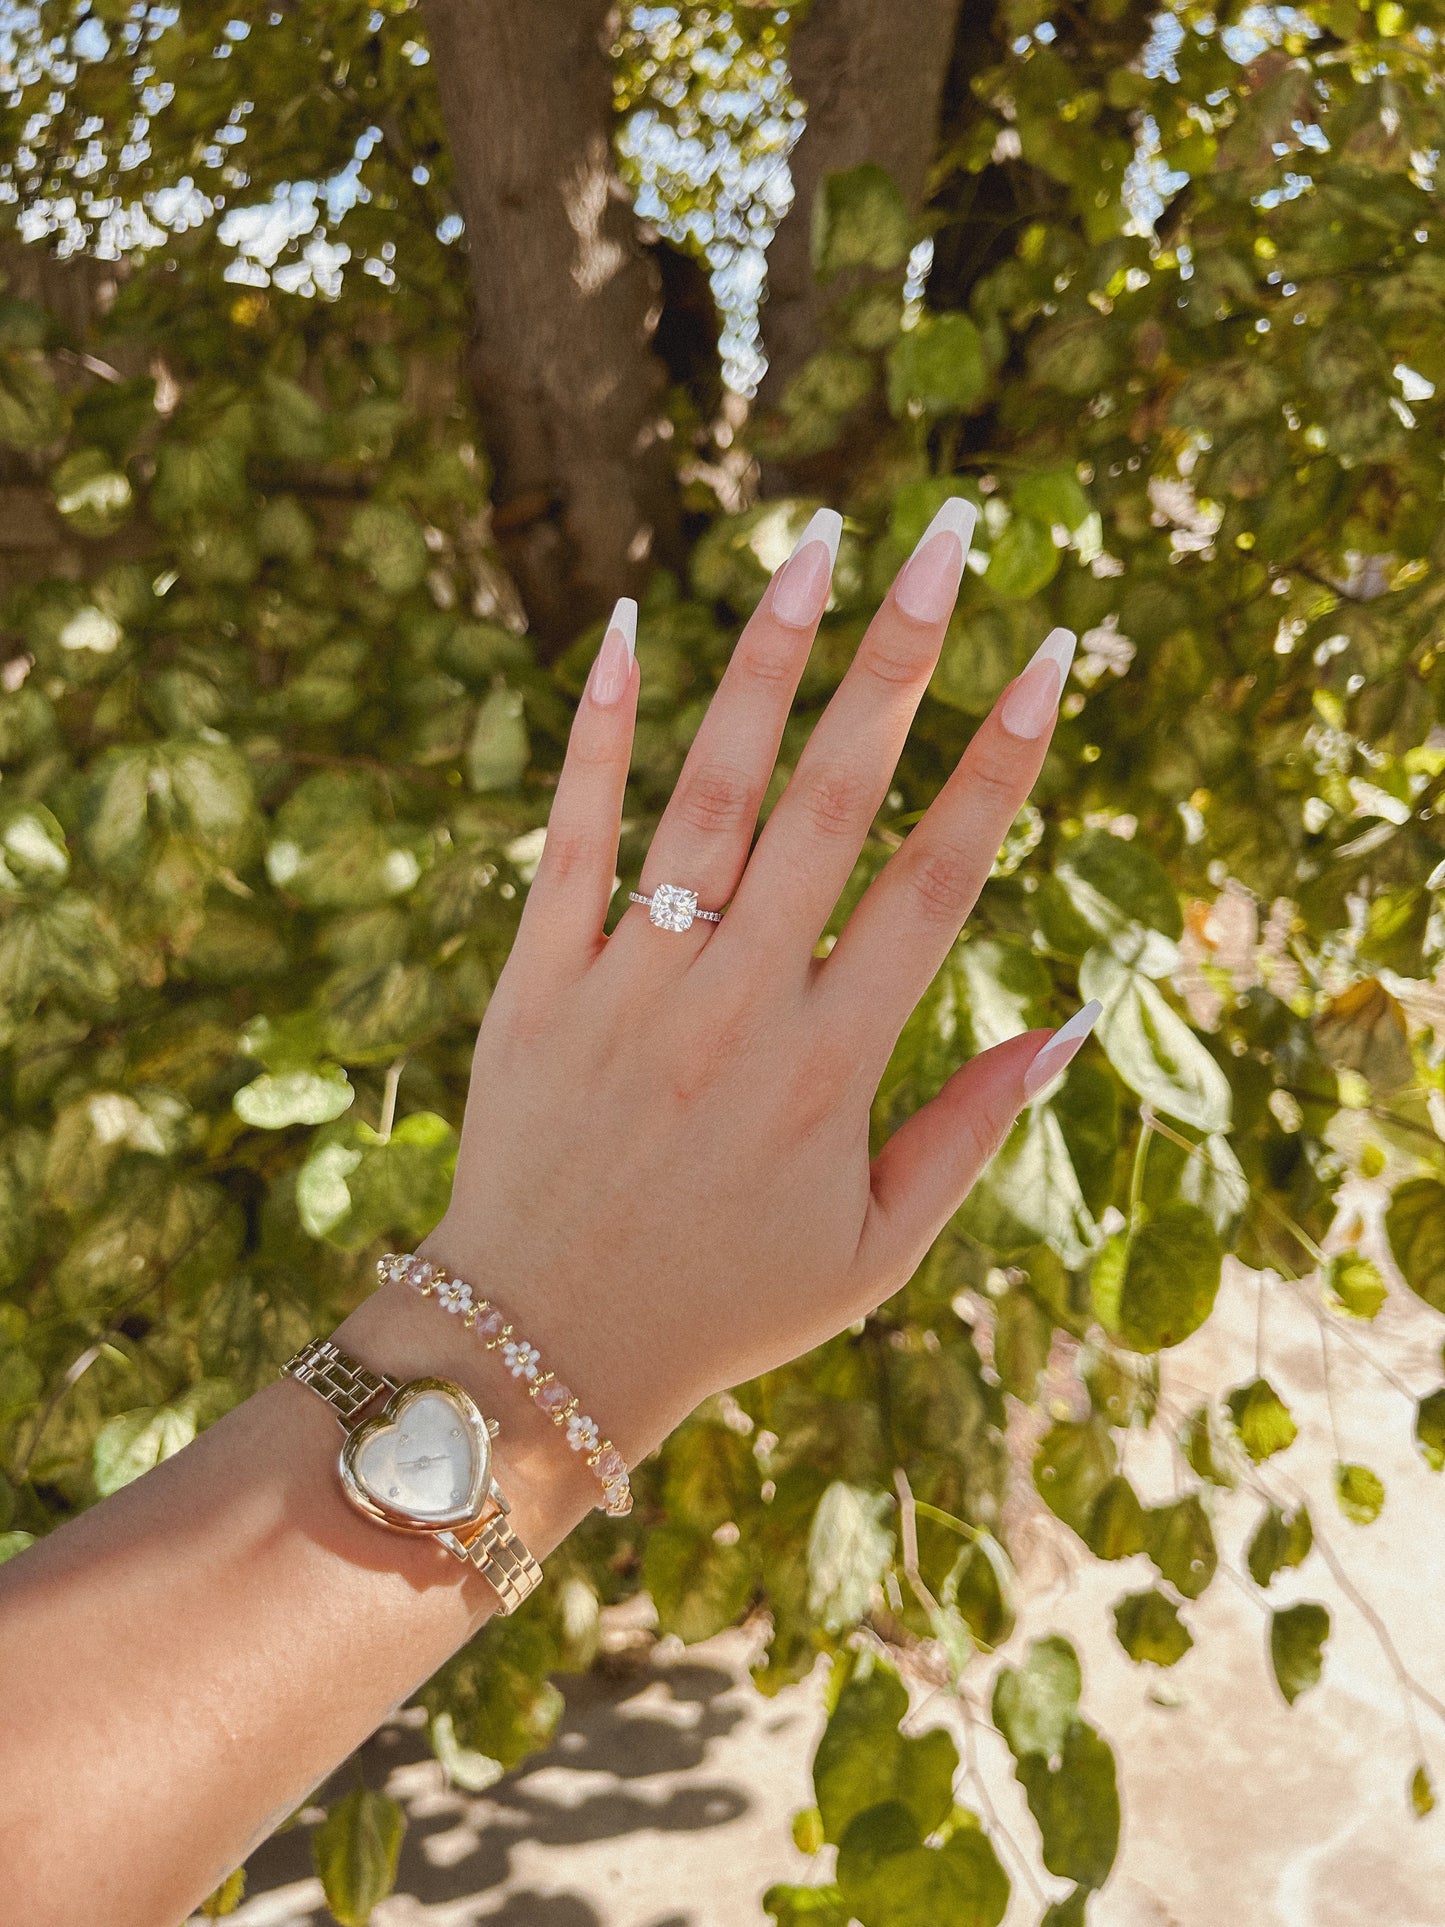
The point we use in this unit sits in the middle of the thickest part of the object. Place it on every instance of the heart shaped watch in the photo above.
(421, 1463)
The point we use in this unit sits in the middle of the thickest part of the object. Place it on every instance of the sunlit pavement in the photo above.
(666, 1800)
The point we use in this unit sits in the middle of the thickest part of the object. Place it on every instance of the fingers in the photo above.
(927, 1168)
(569, 895)
(703, 839)
(911, 914)
(807, 852)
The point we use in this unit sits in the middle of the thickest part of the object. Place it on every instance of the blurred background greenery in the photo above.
(352, 360)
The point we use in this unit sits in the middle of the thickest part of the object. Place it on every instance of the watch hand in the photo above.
(415, 1465)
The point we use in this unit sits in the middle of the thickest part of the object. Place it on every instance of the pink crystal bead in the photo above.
(611, 1465)
(491, 1324)
(418, 1273)
(392, 1268)
(554, 1398)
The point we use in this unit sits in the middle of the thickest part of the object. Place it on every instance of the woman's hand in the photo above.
(664, 1174)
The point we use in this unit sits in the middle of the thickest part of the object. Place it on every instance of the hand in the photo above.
(664, 1175)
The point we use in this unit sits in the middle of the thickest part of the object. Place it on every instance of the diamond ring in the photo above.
(670, 907)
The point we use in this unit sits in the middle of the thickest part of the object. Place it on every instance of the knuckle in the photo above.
(565, 854)
(944, 881)
(898, 661)
(832, 800)
(715, 799)
(993, 775)
(770, 666)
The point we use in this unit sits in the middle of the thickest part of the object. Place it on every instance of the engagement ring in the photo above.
(670, 907)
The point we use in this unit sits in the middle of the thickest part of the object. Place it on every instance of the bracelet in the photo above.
(524, 1362)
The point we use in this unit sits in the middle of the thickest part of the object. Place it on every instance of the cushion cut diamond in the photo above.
(672, 907)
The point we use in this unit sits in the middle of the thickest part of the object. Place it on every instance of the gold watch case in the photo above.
(446, 1484)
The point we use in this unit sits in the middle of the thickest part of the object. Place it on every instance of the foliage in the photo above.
(276, 753)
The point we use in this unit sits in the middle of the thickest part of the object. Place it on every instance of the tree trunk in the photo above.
(567, 386)
(871, 78)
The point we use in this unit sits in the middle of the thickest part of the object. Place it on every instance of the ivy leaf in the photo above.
(1153, 1288)
(1422, 1793)
(1124, 894)
(792, 1906)
(1076, 1805)
(1117, 1526)
(1360, 1493)
(496, 1691)
(863, 1759)
(1152, 1048)
(1356, 1284)
(849, 1550)
(860, 220)
(1034, 1705)
(700, 1585)
(272, 1102)
(1415, 1226)
(1280, 1540)
(981, 1588)
(1030, 1194)
(356, 1850)
(1262, 1419)
(386, 541)
(1181, 1544)
(1430, 1429)
(938, 368)
(1023, 559)
(888, 1878)
(1071, 1911)
(133, 1442)
(226, 1898)
(1297, 1636)
(14, 1542)
(498, 750)
(1022, 1334)
(1073, 1464)
(1149, 1628)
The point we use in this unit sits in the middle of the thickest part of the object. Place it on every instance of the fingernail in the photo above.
(928, 586)
(1033, 702)
(802, 586)
(612, 670)
(1058, 1051)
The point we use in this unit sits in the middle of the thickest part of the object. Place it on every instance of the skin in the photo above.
(181, 1664)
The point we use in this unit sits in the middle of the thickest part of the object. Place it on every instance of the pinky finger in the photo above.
(567, 903)
(928, 1167)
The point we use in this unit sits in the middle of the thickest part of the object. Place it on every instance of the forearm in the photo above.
(227, 1629)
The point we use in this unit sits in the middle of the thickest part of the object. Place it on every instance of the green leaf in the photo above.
(1030, 1194)
(1356, 1284)
(496, 1691)
(1117, 1527)
(1152, 1048)
(849, 1550)
(1181, 1544)
(863, 1759)
(387, 542)
(793, 1906)
(226, 1898)
(1076, 1805)
(498, 749)
(464, 1766)
(1262, 1419)
(1415, 1226)
(938, 368)
(13, 1542)
(1034, 1705)
(33, 852)
(1153, 1288)
(355, 1850)
(272, 1101)
(698, 1584)
(1360, 1493)
(1023, 559)
(860, 220)
(1149, 1628)
(1123, 893)
(329, 850)
(1280, 1540)
(132, 1443)
(888, 1878)
(1073, 1464)
(1022, 1334)
(1430, 1429)
(1055, 498)
(981, 1588)
(1297, 1636)
(1071, 1911)
(91, 493)
(1422, 1793)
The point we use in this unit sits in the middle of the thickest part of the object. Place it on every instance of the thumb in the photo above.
(928, 1167)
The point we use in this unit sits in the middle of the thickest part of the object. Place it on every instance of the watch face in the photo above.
(424, 1463)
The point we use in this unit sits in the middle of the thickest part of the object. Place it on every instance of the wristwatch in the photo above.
(421, 1463)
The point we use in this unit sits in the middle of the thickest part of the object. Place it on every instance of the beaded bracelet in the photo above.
(524, 1362)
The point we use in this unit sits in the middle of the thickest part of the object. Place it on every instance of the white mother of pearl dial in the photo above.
(424, 1462)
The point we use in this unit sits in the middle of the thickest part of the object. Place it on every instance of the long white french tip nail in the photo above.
(624, 621)
(1059, 1050)
(957, 514)
(928, 586)
(826, 525)
(1032, 703)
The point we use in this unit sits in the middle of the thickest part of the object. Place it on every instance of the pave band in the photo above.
(670, 907)
(524, 1362)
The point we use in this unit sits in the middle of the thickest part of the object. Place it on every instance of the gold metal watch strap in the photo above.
(347, 1387)
(504, 1562)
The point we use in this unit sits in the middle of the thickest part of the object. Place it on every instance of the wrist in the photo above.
(548, 1489)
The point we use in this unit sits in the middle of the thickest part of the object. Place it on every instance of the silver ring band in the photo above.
(670, 907)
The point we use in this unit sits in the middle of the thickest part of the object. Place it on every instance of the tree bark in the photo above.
(871, 78)
(566, 383)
